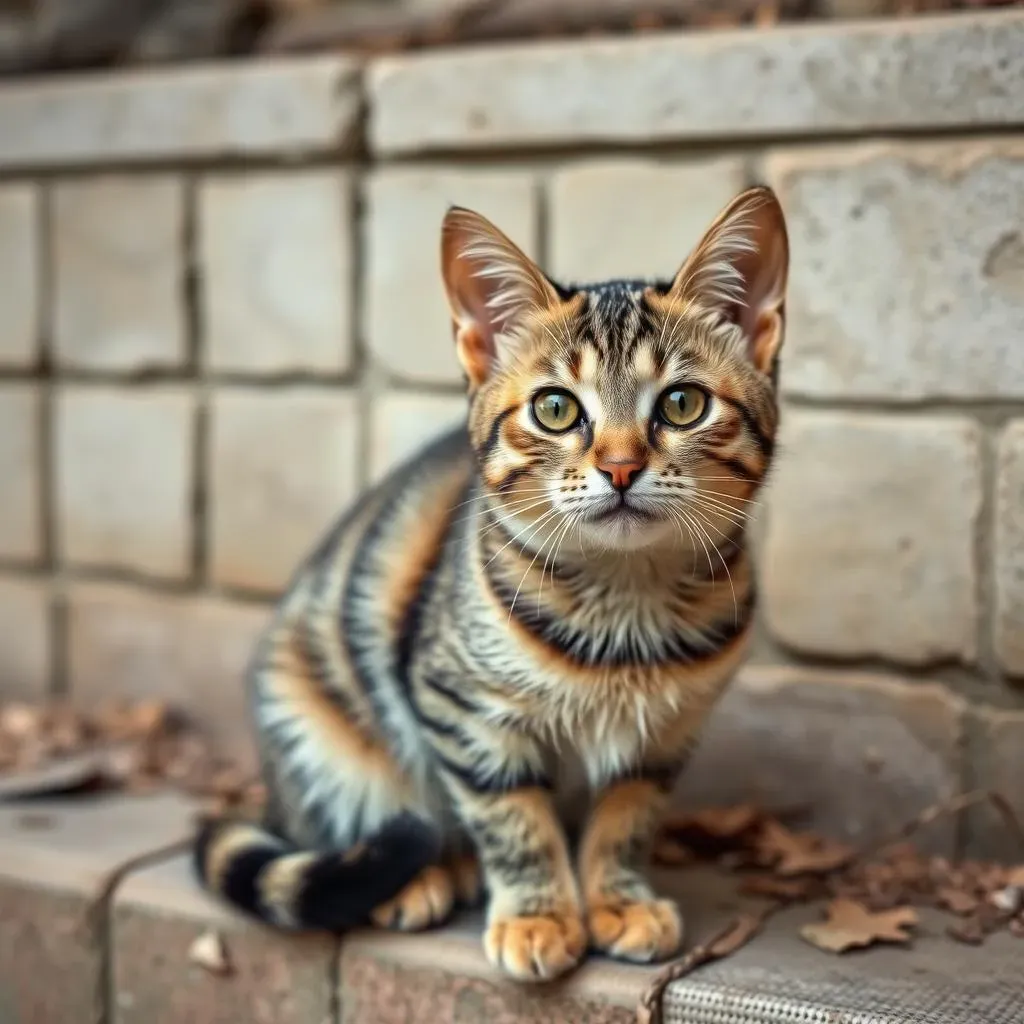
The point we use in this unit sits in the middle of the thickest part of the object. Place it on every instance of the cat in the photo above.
(487, 678)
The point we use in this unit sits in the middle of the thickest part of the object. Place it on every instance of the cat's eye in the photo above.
(556, 411)
(682, 406)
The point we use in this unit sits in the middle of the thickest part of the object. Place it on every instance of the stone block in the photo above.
(20, 266)
(908, 270)
(282, 466)
(859, 755)
(124, 478)
(996, 749)
(21, 534)
(25, 662)
(827, 77)
(190, 651)
(276, 260)
(634, 218)
(275, 979)
(262, 108)
(51, 969)
(404, 422)
(869, 547)
(407, 324)
(1009, 550)
(119, 298)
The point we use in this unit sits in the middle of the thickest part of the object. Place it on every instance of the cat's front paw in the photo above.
(641, 931)
(536, 947)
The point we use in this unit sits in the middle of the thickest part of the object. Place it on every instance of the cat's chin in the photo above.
(626, 531)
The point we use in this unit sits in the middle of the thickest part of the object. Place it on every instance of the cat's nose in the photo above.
(621, 473)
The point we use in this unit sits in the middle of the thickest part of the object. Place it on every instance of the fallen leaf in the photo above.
(725, 822)
(210, 953)
(1017, 928)
(798, 853)
(20, 721)
(1007, 900)
(969, 932)
(670, 853)
(850, 925)
(956, 900)
(1015, 876)
(778, 888)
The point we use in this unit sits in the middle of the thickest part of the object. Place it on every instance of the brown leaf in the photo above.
(797, 853)
(778, 888)
(956, 900)
(850, 925)
(725, 822)
(210, 953)
(1015, 876)
(970, 932)
(20, 721)
(1017, 928)
(670, 853)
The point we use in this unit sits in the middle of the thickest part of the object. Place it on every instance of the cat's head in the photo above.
(633, 414)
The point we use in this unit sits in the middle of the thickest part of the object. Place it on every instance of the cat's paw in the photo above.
(641, 931)
(538, 947)
(425, 902)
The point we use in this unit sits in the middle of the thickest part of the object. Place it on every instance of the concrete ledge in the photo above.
(838, 77)
(266, 108)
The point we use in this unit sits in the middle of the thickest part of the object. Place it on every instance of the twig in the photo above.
(737, 933)
(947, 808)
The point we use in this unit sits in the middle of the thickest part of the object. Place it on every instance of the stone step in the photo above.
(135, 967)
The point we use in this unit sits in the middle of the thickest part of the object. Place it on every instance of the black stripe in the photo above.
(494, 434)
(734, 466)
(479, 780)
(579, 646)
(764, 442)
(445, 690)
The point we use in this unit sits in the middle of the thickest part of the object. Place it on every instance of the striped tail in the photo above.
(270, 879)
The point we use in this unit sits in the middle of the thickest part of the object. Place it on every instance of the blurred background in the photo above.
(222, 317)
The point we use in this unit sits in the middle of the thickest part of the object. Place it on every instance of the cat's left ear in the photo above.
(492, 288)
(740, 270)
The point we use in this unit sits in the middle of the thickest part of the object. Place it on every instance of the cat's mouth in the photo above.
(623, 512)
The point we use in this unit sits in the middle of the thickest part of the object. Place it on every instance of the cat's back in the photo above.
(371, 567)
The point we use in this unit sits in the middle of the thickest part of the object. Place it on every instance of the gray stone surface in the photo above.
(997, 755)
(634, 218)
(940, 71)
(402, 422)
(871, 526)
(125, 478)
(1009, 550)
(188, 650)
(856, 754)
(119, 265)
(24, 638)
(908, 269)
(20, 266)
(406, 323)
(21, 526)
(275, 107)
(281, 467)
(276, 258)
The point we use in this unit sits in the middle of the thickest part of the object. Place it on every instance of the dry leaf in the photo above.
(1007, 900)
(1015, 876)
(798, 853)
(778, 888)
(725, 822)
(1017, 928)
(210, 953)
(956, 900)
(850, 925)
(670, 853)
(970, 932)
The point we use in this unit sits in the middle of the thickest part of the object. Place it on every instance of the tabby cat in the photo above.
(488, 676)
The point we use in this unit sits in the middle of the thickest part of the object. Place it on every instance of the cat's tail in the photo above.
(270, 879)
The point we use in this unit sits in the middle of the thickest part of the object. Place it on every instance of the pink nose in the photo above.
(621, 473)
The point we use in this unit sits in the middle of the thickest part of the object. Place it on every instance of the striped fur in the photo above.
(490, 673)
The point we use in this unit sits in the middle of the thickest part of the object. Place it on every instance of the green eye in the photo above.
(682, 406)
(556, 411)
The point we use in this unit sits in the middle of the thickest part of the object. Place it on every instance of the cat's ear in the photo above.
(740, 269)
(492, 288)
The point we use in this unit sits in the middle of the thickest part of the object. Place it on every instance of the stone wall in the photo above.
(223, 317)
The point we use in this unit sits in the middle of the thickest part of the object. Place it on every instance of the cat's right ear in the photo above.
(492, 288)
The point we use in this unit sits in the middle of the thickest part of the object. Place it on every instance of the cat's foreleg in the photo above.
(625, 918)
(535, 928)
